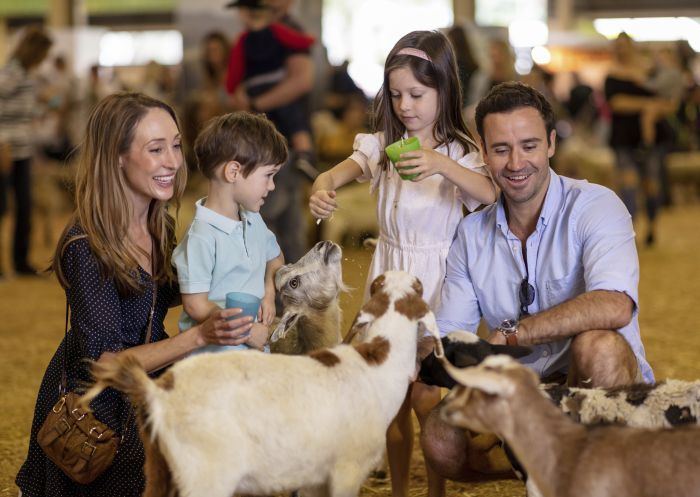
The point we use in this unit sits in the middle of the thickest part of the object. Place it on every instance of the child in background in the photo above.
(417, 219)
(257, 64)
(228, 247)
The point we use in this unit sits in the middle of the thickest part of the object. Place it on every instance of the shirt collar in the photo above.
(551, 199)
(218, 221)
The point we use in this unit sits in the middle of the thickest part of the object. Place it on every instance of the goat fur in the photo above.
(309, 290)
(564, 458)
(254, 423)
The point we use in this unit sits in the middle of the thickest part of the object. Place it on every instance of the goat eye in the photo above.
(294, 282)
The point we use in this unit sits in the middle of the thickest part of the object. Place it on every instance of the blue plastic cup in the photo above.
(245, 301)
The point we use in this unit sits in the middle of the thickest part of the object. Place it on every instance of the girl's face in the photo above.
(415, 104)
(153, 158)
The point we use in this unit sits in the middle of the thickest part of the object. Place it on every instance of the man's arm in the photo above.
(596, 310)
(298, 82)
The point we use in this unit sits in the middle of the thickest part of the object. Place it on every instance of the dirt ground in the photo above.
(32, 310)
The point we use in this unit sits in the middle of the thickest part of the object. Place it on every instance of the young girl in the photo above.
(420, 97)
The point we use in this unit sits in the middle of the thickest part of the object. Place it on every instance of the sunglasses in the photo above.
(526, 295)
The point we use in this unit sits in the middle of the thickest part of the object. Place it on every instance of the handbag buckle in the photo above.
(87, 450)
(62, 426)
(59, 405)
(99, 433)
(81, 414)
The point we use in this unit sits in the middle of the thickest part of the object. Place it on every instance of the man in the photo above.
(551, 265)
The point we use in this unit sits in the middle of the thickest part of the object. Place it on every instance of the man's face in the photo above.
(517, 153)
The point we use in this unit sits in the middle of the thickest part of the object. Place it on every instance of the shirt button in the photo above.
(545, 353)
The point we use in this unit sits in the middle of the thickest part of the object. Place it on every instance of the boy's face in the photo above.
(250, 192)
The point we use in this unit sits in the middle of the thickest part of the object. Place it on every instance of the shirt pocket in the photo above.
(562, 289)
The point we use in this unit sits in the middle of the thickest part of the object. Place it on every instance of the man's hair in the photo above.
(511, 95)
(249, 139)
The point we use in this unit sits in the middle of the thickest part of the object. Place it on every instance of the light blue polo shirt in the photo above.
(583, 241)
(219, 255)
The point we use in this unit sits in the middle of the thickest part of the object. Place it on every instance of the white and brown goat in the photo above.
(564, 458)
(309, 290)
(215, 425)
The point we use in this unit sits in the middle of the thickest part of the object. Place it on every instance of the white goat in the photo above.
(215, 425)
(564, 458)
(309, 290)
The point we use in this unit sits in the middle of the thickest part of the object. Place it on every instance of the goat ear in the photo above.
(490, 382)
(426, 345)
(288, 320)
(430, 325)
(361, 321)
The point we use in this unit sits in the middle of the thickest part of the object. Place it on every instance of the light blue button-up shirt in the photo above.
(219, 255)
(583, 241)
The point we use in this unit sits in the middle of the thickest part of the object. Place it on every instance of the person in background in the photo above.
(283, 211)
(467, 64)
(635, 112)
(420, 97)
(113, 255)
(18, 110)
(228, 248)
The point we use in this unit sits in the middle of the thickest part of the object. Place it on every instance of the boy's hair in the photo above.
(249, 139)
(511, 95)
(440, 72)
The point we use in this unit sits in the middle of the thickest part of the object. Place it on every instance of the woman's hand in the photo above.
(322, 203)
(424, 162)
(258, 337)
(217, 330)
(267, 310)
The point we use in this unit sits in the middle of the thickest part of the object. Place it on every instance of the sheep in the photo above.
(662, 405)
(565, 458)
(309, 290)
(252, 423)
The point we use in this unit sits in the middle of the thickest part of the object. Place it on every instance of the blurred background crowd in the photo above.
(626, 91)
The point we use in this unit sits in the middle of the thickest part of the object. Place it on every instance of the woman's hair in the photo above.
(249, 139)
(101, 192)
(440, 72)
(32, 47)
(511, 95)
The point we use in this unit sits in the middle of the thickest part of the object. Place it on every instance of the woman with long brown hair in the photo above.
(112, 257)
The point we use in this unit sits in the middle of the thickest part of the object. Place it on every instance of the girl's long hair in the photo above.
(439, 73)
(102, 209)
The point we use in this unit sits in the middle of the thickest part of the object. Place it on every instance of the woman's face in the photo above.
(153, 158)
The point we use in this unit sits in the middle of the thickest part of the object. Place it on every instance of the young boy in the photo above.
(228, 247)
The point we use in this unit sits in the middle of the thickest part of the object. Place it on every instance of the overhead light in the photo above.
(651, 29)
(541, 55)
(527, 33)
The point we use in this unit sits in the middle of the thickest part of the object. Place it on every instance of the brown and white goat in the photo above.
(215, 425)
(310, 290)
(564, 458)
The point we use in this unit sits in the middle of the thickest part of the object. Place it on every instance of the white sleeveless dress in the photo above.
(417, 220)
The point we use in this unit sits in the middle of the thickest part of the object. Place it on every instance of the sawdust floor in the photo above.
(31, 326)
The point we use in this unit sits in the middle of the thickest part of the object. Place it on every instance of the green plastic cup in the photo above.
(394, 150)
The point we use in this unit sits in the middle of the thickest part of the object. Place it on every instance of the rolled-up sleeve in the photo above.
(610, 261)
(459, 306)
(194, 259)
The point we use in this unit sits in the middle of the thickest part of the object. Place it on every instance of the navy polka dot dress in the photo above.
(100, 321)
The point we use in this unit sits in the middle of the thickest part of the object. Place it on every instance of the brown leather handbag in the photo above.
(74, 439)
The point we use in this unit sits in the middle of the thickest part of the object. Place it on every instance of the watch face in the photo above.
(509, 324)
